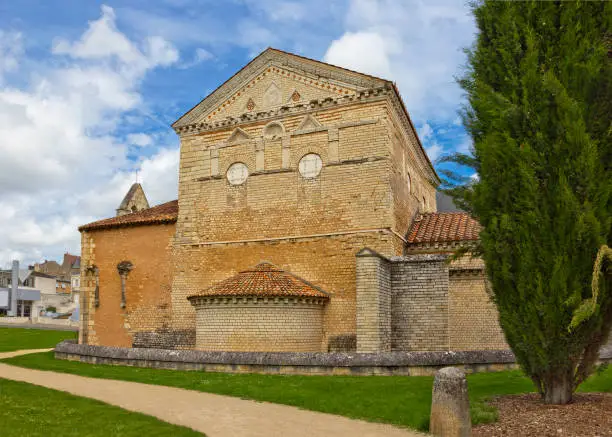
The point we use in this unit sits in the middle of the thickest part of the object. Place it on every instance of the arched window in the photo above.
(273, 129)
(409, 183)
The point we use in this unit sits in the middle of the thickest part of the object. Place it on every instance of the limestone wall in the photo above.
(420, 303)
(473, 318)
(260, 325)
(310, 227)
(327, 262)
(434, 305)
(374, 295)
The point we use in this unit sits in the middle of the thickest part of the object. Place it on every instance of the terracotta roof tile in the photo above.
(264, 279)
(164, 213)
(439, 227)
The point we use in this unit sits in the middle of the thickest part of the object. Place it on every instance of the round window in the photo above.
(237, 173)
(310, 165)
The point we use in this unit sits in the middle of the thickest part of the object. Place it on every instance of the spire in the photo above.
(134, 201)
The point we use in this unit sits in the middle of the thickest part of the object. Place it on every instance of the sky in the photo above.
(89, 89)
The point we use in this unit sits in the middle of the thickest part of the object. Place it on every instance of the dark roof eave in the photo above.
(96, 227)
(270, 295)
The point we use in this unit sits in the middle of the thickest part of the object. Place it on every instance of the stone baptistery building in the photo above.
(305, 221)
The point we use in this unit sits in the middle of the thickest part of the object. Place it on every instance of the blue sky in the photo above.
(88, 90)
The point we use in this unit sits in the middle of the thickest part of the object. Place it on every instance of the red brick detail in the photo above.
(164, 213)
(438, 227)
(264, 279)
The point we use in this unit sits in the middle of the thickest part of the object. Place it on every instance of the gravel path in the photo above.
(214, 415)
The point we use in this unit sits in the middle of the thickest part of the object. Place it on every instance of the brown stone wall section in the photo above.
(327, 262)
(473, 318)
(148, 302)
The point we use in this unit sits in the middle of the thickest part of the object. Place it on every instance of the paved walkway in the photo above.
(214, 415)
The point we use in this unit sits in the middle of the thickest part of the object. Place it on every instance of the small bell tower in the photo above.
(134, 201)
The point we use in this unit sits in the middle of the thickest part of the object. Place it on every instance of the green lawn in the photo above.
(29, 410)
(13, 339)
(398, 400)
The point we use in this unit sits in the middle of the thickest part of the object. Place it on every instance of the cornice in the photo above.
(268, 58)
(367, 95)
(410, 134)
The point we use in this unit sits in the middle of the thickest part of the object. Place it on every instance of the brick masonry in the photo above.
(259, 324)
(375, 179)
(421, 302)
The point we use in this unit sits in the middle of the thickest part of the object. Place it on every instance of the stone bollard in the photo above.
(450, 406)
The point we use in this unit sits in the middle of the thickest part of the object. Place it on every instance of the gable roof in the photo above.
(135, 188)
(280, 57)
(164, 213)
(443, 227)
(265, 279)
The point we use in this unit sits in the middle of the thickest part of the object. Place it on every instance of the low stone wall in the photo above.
(55, 322)
(292, 363)
(296, 363)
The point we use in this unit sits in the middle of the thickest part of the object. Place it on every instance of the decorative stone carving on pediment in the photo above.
(238, 136)
(319, 78)
(309, 122)
(295, 96)
(273, 96)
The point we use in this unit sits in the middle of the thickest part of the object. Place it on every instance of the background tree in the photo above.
(539, 87)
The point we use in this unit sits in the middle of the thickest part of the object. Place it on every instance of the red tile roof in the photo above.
(264, 279)
(439, 227)
(164, 213)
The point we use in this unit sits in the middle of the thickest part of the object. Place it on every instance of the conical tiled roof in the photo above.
(266, 280)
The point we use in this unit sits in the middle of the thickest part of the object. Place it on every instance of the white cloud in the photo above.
(366, 52)
(417, 44)
(434, 151)
(425, 132)
(64, 163)
(139, 139)
(11, 49)
(200, 55)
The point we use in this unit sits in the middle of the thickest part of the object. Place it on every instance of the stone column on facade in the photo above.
(286, 151)
(124, 268)
(259, 154)
(214, 161)
(373, 302)
(333, 138)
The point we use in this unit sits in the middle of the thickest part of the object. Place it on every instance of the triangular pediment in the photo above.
(309, 122)
(275, 79)
(237, 136)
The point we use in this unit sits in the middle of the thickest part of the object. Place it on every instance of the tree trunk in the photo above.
(558, 387)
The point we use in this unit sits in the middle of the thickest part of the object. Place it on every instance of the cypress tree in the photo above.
(539, 88)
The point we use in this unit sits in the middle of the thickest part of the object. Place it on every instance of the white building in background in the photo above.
(36, 292)
(18, 295)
